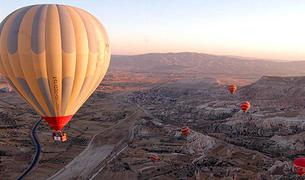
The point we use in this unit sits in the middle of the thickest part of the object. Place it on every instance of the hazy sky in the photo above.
(254, 28)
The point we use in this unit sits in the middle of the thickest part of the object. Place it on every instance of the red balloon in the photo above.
(299, 166)
(245, 106)
(185, 131)
(154, 158)
(232, 88)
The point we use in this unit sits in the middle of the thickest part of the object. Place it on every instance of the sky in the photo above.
(269, 29)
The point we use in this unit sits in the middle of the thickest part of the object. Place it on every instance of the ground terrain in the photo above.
(139, 109)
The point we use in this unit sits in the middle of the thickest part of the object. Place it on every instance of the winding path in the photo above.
(102, 148)
(37, 153)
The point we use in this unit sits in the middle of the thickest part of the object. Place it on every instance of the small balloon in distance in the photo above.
(245, 106)
(232, 88)
(154, 157)
(185, 131)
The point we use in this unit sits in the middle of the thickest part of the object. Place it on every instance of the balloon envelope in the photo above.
(54, 56)
(232, 88)
(299, 165)
(185, 131)
(154, 157)
(245, 106)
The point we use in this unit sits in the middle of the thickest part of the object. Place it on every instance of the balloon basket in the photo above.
(60, 136)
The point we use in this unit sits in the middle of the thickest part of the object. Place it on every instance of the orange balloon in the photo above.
(232, 88)
(185, 131)
(245, 106)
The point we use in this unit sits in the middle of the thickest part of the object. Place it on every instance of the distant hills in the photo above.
(272, 87)
(205, 64)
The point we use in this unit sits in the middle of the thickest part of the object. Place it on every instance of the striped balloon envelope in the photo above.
(245, 106)
(54, 56)
(185, 131)
(154, 158)
(232, 88)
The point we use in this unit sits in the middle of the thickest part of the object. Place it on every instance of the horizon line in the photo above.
(212, 54)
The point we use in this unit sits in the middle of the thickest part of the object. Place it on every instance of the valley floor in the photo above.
(115, 133)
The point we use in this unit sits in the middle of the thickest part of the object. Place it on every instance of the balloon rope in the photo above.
(37, 154)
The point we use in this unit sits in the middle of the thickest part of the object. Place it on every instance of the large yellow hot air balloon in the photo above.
(54, 56)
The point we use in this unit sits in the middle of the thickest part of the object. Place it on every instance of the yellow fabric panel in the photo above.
(2, 72)
(6, 64)
(102, 63)
(98, 78)
(104, 55)
(54, 56)
(25, 61)
(39, 60)
(3, 47)
(68, 56)
(92, 59)
(82, 53)
(14, 62)
(68, 35)
(69, 66)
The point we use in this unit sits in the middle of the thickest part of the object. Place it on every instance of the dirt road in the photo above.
(101, 146)
(36, 144)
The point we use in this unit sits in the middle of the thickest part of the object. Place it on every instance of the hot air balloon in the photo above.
(245, 106)
(154, 158)
(54, 56)
(232, 88)
(185, 131)
(299, 166)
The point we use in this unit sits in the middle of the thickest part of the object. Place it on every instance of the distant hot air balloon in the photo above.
(154, 158)
(232, 88)
(185, 131)
(299, 166)
(54, 56)
(245, 106)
